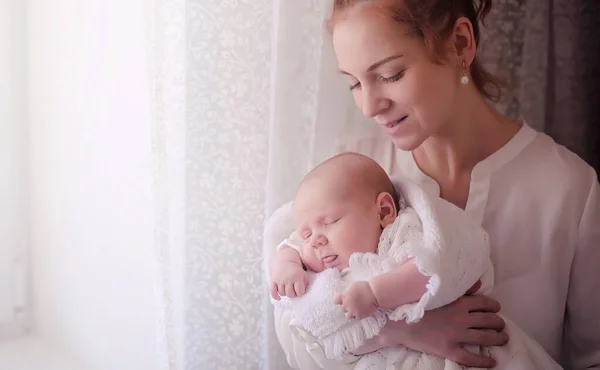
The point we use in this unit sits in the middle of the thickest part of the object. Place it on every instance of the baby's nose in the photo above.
(319, 241)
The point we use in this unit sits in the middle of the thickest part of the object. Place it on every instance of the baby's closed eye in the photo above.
(332, 221)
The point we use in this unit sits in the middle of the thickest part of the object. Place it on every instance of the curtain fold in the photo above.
(165, 22)
(15, 264)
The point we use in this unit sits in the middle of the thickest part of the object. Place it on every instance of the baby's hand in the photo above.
(288, 279)
(357, 301)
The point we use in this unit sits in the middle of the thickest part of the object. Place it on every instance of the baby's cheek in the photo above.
(311, 261)
(364, 242)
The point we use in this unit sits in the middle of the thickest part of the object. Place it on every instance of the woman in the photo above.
(412, 67)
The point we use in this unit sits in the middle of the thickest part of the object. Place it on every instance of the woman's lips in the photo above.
(393, 128)
(394, 123)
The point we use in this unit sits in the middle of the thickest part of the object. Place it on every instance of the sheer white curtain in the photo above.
(247, 99)
(14, 268)
(312, 108)
(244, 99)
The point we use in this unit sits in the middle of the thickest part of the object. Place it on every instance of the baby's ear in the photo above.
(387, 209)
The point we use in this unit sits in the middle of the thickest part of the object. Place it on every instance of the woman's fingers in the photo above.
(485, 320)
(468, 359)
(478, 303)
(484, 337)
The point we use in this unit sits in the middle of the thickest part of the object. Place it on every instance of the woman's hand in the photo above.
(470, 320)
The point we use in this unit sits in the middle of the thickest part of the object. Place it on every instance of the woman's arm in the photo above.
(582, 325)
(444, 331)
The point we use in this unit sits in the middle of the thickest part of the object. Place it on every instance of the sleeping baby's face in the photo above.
(335, 218)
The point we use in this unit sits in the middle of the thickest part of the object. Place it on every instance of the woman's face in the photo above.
(393, 79)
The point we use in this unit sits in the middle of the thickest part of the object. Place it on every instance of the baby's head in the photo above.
(341, 208)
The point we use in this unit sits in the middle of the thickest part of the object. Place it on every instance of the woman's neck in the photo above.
(476, 132)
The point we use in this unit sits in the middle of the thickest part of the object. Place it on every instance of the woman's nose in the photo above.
(319, 240)
(372, 103)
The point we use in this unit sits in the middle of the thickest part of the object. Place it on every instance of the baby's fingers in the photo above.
(289, 290)
(337, 299)
(274, 292)
(300, 288)
(281, 290)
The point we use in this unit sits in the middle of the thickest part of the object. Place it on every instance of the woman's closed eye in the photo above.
(383, 79)
(393, 78)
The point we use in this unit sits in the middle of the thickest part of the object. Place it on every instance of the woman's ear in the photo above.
(387, 209)
(463, 44)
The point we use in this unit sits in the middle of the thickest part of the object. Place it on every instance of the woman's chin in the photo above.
(406, 143)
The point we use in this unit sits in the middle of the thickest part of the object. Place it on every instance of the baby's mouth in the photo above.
(328, 260)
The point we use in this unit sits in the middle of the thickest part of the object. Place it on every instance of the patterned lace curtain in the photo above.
(549, 53)
(233, 87)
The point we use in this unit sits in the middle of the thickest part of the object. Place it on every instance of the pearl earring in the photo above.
(465, 78)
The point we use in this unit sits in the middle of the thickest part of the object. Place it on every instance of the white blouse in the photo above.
(540, 203)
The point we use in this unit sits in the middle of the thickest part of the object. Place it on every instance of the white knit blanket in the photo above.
(446, 244)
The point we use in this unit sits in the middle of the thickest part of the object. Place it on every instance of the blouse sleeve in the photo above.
(582, 323)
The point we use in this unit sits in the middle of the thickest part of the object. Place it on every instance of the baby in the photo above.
(362, 254)
(345, 206)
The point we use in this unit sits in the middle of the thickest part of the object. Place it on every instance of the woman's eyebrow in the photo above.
(377, 64)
